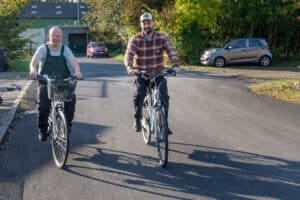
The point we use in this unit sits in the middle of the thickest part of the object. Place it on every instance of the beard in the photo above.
(148, 31)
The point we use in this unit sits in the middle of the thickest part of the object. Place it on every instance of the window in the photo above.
(238, 44)
(255, 43)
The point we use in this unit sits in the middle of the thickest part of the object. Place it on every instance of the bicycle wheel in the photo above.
(60, 140)
(161, 136)
(145, 125)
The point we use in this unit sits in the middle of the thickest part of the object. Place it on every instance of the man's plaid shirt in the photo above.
(149, 55)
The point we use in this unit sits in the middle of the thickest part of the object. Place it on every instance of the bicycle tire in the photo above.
(60, 140)
(145, 125)
(161, 138)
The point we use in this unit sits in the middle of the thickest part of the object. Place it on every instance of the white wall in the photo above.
(37, 35)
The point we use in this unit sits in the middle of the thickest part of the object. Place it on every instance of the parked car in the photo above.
(242, 50)
(96, 49)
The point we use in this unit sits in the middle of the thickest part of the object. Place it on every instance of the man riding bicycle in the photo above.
(145, 52)
(56, 61)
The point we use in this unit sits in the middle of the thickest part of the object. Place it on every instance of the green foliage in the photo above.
(269, 19)
(193, 25)
(277, 54)
(11, 28)
(19, 65)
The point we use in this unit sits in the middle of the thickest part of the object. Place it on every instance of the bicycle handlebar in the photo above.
(143, 73)
(46, 78)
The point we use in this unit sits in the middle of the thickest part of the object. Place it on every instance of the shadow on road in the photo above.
(211, 172)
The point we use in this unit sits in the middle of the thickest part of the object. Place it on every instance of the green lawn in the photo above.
(280, 89)
(19, 65)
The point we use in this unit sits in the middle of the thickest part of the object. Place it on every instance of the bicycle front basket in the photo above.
(61, 90)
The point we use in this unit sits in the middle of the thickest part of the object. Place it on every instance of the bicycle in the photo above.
(153, 119)
(59, 91)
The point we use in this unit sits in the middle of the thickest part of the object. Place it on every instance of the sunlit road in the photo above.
(228, 144)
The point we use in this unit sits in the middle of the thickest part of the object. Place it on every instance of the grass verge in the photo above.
(283, 89)
(19, 65)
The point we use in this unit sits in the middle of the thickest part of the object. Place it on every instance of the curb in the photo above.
(11, 114)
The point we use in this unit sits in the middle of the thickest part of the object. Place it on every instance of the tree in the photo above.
(117, 20)
(191, 25)
(11, 28)
(269, 19)
(197, 24)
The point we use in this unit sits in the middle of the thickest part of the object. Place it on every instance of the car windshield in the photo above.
(98, 44)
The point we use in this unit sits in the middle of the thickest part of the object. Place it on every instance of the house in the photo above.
(67, 15)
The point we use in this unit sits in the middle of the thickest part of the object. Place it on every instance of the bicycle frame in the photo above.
(154, 103)
(154, 118)
(56, 105)
(59, 91)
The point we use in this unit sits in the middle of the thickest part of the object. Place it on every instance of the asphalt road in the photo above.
(228, 144)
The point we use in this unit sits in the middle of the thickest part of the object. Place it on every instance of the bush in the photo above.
(277, 54)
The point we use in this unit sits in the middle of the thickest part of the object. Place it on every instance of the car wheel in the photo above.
(219, 62)
(265, 61)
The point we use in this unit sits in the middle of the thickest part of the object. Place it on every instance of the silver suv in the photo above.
(243, 50)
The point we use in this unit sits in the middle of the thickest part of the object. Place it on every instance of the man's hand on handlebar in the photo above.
(33, 74)
(171, 71)
(78, 75)
(142, 74)
(176, 68)
(132, 72)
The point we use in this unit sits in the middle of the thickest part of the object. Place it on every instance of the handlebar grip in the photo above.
(171, 71)
(141, 73)
(74, 77)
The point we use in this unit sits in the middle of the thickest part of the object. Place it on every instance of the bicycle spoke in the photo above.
(60, 143)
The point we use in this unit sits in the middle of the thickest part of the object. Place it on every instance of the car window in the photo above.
(238, 43)
(255, 43)
(100, 44)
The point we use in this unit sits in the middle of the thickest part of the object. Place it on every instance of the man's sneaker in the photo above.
(43, 136)
(137, 126)
(170, 132)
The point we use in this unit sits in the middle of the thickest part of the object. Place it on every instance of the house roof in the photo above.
(54, 10)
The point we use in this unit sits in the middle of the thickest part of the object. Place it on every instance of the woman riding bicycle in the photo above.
(56, 61)
(145, 51)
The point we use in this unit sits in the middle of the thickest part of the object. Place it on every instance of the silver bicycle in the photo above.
(154, 120)
(59, 91)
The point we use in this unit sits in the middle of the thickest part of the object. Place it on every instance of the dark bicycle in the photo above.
(154, 117)
(59, 91)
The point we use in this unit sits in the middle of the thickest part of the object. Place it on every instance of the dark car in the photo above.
(96, 49)
(242, 50)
